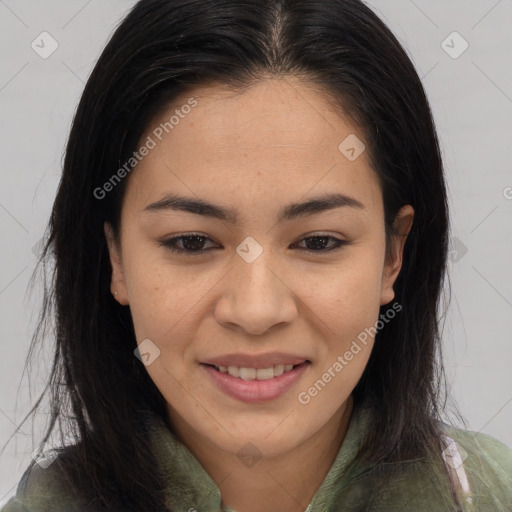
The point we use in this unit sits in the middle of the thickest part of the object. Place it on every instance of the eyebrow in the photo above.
(292, 211)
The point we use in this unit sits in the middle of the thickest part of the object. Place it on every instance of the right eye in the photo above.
(190, 244)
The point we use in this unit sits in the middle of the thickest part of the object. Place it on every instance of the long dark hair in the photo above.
(161, 50)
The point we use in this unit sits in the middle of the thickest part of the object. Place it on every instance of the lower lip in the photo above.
(256, 390)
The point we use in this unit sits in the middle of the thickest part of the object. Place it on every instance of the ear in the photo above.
(402, 223)
(117, 284)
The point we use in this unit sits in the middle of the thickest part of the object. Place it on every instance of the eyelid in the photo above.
(170, 243)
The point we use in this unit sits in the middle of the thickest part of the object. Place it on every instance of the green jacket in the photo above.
(480, 464)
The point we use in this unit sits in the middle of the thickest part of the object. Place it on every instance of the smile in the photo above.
(255, 385)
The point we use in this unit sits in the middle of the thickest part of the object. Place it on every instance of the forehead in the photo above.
(271, 114)
(278, 138)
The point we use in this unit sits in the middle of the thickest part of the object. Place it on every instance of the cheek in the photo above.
(155, 291)
(349, 306)
(167, 302)
(347, 297)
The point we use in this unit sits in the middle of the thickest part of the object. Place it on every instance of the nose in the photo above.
(256, 297)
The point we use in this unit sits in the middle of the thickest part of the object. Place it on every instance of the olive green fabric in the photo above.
(479, 464)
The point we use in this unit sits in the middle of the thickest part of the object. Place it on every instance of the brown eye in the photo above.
(319, 243)
(191, 244)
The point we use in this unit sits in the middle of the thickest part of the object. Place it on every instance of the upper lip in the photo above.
(255, 361)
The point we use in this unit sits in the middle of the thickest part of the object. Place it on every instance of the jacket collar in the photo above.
(189, 487)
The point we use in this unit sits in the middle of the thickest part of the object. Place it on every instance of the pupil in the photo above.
(196, 245)
(319, 242)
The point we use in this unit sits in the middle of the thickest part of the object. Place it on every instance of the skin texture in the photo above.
(256, 151)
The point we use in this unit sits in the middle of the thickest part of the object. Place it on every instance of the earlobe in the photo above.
(402, 224)
(117, 284)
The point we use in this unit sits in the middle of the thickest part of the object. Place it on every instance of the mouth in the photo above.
(255, 385)
(245, 373)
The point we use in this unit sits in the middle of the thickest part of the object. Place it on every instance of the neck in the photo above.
(288, 481)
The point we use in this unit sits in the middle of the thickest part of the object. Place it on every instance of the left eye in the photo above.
(191, 244)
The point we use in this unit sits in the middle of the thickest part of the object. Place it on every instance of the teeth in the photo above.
(256, 374)
(234, 371)
(247, 373)
(278, 370)
(265, 373)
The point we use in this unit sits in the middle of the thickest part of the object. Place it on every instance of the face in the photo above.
(275, 285)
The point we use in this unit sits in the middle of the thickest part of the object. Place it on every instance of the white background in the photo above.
(471, 98)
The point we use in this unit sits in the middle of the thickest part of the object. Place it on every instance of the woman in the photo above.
(250, 241)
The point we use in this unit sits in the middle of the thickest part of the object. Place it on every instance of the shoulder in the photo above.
(43, 485)
(480, 444)
(486, 460)
(480, 467)
(478, 464)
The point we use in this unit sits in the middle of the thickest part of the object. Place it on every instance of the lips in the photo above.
(255, 390)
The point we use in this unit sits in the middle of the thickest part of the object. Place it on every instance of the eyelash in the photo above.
(170, 244)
